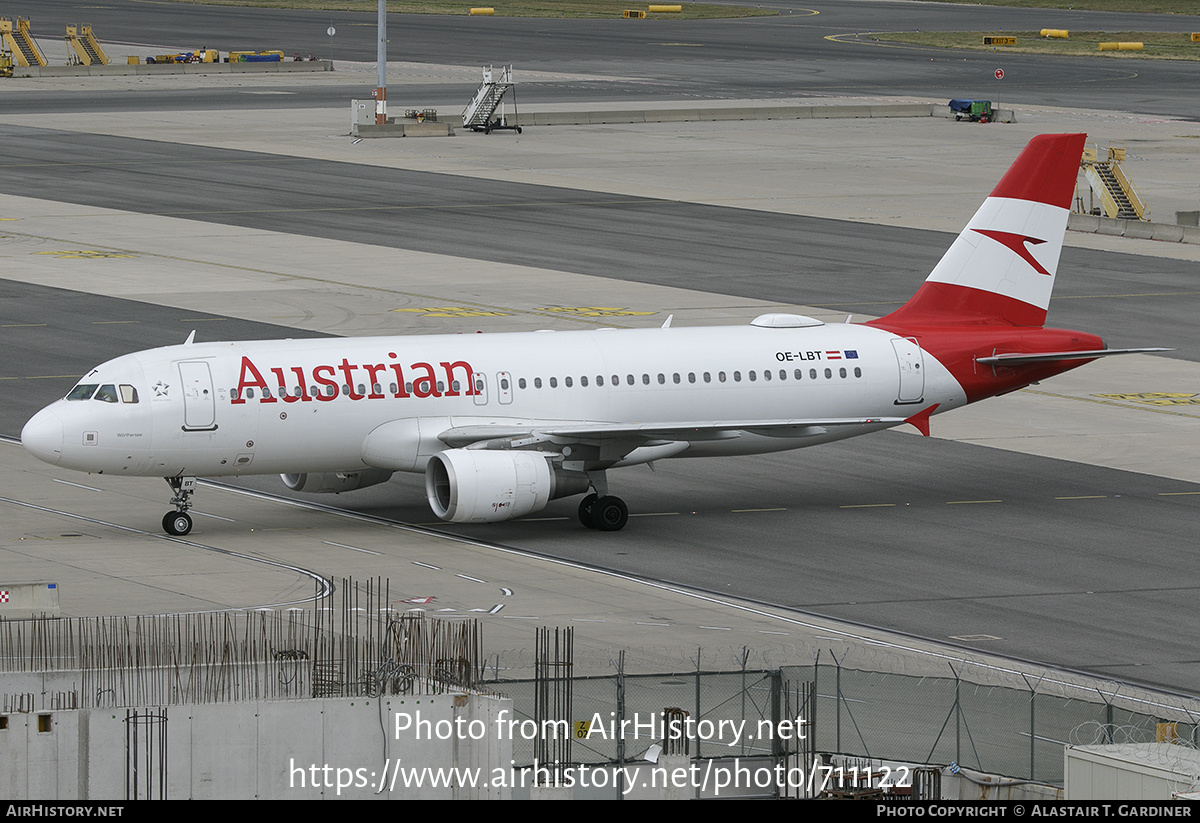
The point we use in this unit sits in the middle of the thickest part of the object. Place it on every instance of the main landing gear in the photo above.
(179, 522)
(602, 511)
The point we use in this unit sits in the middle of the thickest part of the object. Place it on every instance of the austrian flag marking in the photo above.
(3, 597)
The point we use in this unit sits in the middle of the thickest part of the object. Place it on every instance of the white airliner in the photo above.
(503, 423)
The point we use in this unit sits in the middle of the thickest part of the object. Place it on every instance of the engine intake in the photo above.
(485, 486)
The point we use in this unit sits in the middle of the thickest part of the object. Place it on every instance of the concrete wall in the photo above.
(1166, 232)
(295, 749)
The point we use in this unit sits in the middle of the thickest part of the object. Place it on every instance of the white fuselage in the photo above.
(260, 407)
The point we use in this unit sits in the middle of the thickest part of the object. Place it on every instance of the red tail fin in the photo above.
(1000, 270)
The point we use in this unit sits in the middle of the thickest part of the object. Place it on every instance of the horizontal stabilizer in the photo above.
(1042, 357)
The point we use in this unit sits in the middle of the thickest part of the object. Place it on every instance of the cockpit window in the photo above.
(83, 391)
(107, 393)
(128, 393)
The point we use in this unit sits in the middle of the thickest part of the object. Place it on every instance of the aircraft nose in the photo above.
(43, 436)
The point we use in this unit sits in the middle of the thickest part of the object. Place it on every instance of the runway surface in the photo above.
(1066, 562)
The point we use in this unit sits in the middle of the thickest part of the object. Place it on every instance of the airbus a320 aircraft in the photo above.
(501, 424)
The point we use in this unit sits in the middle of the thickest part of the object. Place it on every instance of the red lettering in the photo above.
(400, 390)
(373, 371)
(470, 377)
(425, 386)
(332, 384)
(348, 370)
(287, 396)
(249, 370)
(304, 395)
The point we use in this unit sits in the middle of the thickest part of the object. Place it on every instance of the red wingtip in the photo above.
(921, 419)
(1045, 171)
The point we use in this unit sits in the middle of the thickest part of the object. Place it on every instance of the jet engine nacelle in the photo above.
(334, 482)
(485, 486)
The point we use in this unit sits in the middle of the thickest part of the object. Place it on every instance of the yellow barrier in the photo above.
(483, 10)
(665, 9)
(1059, 34)
(1121, 47)
(1196, 37)
(999, 41)
(133, 61)
(634, 14)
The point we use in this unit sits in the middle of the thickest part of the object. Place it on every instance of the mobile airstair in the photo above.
(87, 50)
(1111, 185)
(20, 42)
(479, 115)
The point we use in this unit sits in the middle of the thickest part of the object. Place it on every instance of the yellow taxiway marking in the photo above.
(1175, 494)
(21, 325)
(1084, 497)
(741, 511)
(1145, 408)
(1157, 398)
(84, 254)
(868, 506)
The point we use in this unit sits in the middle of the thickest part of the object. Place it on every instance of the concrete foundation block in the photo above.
(1089, 223)
(1139, 230)
(1167, 232)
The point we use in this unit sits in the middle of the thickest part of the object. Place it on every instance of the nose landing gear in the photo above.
(179, 522)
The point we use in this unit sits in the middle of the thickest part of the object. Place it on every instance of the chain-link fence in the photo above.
(1016, 730)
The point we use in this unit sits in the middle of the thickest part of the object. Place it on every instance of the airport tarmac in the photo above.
(1131, 414)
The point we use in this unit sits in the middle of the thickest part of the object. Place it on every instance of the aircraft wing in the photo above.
(461, 436)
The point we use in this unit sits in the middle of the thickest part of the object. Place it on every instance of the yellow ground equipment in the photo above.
(19, 41)
(6, 64)
(87, 50)
(1111, 185)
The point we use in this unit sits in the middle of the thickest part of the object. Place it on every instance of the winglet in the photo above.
(921, 419)
(191, 338)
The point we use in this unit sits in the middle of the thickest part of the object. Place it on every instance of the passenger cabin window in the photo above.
(83, 391)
